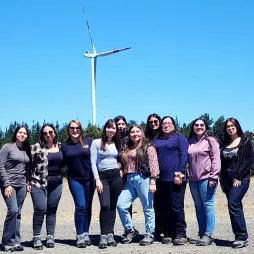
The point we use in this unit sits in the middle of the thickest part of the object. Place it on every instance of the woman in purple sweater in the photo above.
(172, 150)
(204, 168)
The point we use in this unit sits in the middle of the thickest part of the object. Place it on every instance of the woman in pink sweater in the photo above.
(204, 168)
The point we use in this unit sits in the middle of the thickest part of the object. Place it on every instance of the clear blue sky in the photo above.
(187, 58)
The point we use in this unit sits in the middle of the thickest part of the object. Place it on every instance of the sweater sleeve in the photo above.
(183, 153)
(246, 166)
(153, 161)
(94, 153)
(3, 158)
(215, 159)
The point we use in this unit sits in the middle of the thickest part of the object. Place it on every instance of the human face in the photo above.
(121, 125)
(48, 134)
(167, 126)
(231, 129)
(111, 131)
(199, 128)
(154, 123)
(21, 135)
(74, 131)
(135, 135)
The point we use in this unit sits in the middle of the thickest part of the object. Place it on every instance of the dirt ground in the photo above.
(65, 230)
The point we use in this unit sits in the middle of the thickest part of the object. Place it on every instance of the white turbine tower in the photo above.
(93, 56)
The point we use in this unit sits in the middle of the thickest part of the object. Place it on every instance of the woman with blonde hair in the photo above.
(140, 164)
(76, 152)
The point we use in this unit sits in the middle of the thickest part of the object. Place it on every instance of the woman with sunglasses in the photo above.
(106, 171)
(46, 183)
(237, 158)
(76, 151)
(152, 131)
(172, 150)
(152, 126)
(204, 168)
(14, 173)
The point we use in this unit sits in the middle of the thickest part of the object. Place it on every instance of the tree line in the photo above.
(215, 129)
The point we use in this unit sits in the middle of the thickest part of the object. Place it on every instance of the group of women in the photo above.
(123, 165)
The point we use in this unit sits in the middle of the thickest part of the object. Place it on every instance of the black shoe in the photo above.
(166, 240)
(37, 243)
(147, 240)
(103, 242)
(111, 240)
(180, 241)
(128, 236)
(237, 244)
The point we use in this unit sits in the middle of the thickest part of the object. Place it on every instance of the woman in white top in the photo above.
(106, 171)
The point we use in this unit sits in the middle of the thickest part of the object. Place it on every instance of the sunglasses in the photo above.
(46, 133)
(155, 122)
(75, 128)
(201, 125)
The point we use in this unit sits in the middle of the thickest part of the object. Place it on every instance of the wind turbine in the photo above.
(93, 56)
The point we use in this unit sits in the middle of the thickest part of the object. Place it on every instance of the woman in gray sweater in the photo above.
(106, 171)
(14, 171)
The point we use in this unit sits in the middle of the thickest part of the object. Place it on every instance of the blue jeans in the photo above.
(234, 196)
(136, 186)
(80, 190)
(11, 231)
(203, 196)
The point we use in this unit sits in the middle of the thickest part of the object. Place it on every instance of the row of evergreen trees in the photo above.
(216, 129)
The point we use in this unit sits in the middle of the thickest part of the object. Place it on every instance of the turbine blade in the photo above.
(90, 34)
(112, 52)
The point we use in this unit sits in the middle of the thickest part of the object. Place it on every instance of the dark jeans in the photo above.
(80, 191)
(112, 185)
(45, 202)
(11, 231)
(234, 196)
(170, 208)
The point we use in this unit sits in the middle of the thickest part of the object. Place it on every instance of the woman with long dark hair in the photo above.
(122, 129)
(236, 161)
(171, 148)
(15, 160)
(106, 171)
(152, 131)
(46, 184)
(76, 152)
(204, 168)
(152, 126)
(139, 152)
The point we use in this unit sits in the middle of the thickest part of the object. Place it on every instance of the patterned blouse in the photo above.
(152, 161)
(39, 169)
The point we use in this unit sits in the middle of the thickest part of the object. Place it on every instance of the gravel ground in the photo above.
(65, 230)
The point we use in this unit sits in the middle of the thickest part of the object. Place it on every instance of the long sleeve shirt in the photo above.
(130, 166)
(14, 165)
(172, 154)
(204, 159)
(77, 159)
(103, 160)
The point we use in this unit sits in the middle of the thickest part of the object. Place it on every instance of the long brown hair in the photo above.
(234, 121)
(81, 137)
(141, 148)
(104, 137)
